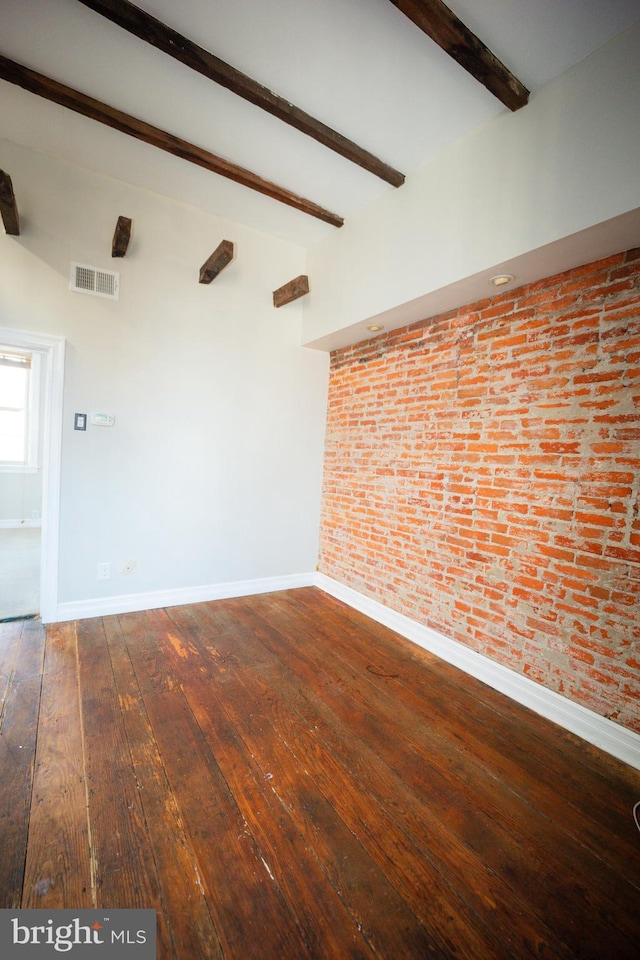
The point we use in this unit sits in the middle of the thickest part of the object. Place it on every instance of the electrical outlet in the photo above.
(104, 571)
(128, 567)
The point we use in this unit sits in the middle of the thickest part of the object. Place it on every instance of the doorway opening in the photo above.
(20, 483)
(31, 381)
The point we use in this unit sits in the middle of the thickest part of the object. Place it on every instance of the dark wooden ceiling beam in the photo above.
(121, 237)
(450, 33)
(296, 288)
(159, 35)
(74, 100)
(221, 256)
(8, 206)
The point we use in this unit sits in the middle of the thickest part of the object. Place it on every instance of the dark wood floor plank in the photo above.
(125, 873)
(385, 842)
(511, 751)
(381, 914)
(543, 745)
(10, 634)
(555, 862)
(279, 776)
(586, 759)
(437, 684)
(22, 658)
(59, 870)
(515, 752)
(256, 924)
(416, 812)
(325, 924)
(486, 891)
(187, 912)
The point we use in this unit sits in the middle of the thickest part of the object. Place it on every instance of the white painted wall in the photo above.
(212, 472)
(566, 162)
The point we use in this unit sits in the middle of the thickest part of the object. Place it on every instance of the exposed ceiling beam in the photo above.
(157, 33)
(442, 25)
(8, 206)
(125, 123)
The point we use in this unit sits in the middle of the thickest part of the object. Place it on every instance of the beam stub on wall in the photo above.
(157, 33)
(436, 20)
(123, 122)
(291, 291)
(121, 237)
(221, 256)
(8, 206)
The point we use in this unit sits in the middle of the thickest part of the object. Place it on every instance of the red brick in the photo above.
(595, 268)
(557, 447)
(480, 475)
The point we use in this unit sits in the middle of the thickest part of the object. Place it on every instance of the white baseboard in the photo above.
(135, 602)
(619, 741)
(19, 524)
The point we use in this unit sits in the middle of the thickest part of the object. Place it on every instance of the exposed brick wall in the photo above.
(482, 476)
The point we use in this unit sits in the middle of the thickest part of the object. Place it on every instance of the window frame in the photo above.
(31, 463)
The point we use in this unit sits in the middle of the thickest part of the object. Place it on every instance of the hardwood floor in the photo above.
(280, 777)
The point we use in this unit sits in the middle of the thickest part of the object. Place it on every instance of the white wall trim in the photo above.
(619, 741)
(52, 349)
(135, 602)
(17, 468)
(19, 524)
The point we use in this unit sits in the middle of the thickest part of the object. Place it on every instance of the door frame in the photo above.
(52, 350)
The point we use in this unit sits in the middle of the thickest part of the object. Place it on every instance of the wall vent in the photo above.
(100, 283)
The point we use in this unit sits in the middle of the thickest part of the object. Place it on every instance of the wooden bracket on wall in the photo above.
(221, 256)
(121, 237)
(8, 206)
(291, 291)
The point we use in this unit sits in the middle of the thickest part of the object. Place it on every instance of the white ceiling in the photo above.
(358, 65)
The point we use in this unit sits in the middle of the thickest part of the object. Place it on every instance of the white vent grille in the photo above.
(100, 283)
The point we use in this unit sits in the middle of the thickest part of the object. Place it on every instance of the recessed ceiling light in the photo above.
(374, 327)
(501, 279)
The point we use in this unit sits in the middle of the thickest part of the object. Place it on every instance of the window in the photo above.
(19, 402)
